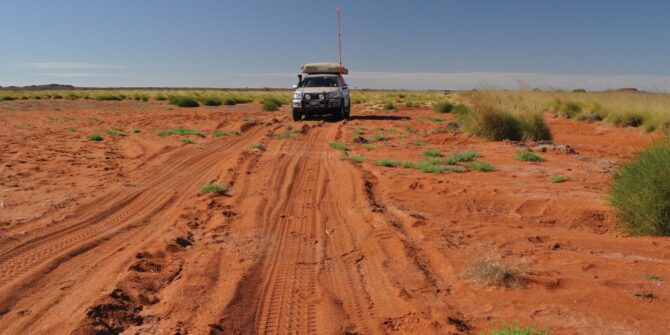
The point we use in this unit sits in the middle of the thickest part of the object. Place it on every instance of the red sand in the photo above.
(114, 236)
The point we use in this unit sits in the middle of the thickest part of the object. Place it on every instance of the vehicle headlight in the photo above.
(297, 95)
(321, 96)
(333, 95)
(308, 96)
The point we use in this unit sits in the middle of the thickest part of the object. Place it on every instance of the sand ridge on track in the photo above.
(115, 237)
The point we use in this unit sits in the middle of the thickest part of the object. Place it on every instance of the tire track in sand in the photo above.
(283, 292)
(108, 215)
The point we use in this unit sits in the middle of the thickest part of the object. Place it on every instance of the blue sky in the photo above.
(391, 44)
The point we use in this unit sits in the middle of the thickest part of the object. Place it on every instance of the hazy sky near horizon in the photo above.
(593, 44)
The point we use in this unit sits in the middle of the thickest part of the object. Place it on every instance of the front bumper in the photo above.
(314, 104)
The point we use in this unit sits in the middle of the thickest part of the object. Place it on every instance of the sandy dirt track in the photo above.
(114, 237)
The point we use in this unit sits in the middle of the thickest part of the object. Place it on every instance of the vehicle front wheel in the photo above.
(297, 115)
(347, 112)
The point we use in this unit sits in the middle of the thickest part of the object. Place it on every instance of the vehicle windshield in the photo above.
(320, 81)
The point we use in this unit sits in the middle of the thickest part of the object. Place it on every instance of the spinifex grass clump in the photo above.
(462, 156)
(529, 156)
(108, 97)
(490, 121)
(389, 106)
(180, 131)
(214, 188)
(271, 104)
(356, 159)
(95, 138)
(339, 146)
(641, 192)
(515, 329)
(443, 107)
(183, 101)
(211, 101)
(557, 179)
(219, 133)
(482, 166)
(116, 132)
(432, 153)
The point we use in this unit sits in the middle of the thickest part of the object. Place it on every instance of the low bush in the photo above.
(214, 188)
(394, 163)
(491, 123)
(443, 107)
(627, 119)
(515, 329)
(533, 127)
(258, 146)
(211, 101)
(557, 179)
(489, 271)
(368, 146)
(219, 133)
(271, 104)
(462, 156)
(389, 106)
(356, 159)
(108, 97)
(188, 140)
(229, 102)
(381, 137)
(432, 153)
(529, 156)
(180, 131)
(430, 167)
(183, 101)
(481, 166)
(95, 137)
(640, 192)
(116, 132)
(339, 146)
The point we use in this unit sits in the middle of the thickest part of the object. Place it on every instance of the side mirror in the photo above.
(346, 87)
(295, 86)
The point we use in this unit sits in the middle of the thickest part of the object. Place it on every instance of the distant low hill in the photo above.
(40, 87)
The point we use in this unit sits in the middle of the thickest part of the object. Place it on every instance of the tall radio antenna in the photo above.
(339, 37)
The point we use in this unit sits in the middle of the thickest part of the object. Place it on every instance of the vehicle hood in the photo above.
(317, 90)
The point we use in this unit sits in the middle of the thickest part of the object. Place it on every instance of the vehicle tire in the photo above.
(347, 112)
(297, 115)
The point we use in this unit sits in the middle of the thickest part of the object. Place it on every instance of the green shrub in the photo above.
(429, 167)
(339, 146)
(356, 159)
(214, 188)
(443, 107)
(108, 97)
(116, 132)
(491, 123)
(529, 156)
(381, 137)
(6, 98)
(533, 127)
(368, 146)
(626, 119)
(183, 101)
(219, 133)
(389, 106)
(641, 192)
(568, 110)
(557, 179)
(211, 101)
(395, 163)
(409, 104)
(180, 131)
(462, 156)
(258, 146)
(188, 140)
(95, 137)
(229, 102)
(161, 97)
(432, 153)
(271, 104)
(481, 166)
(515, 329)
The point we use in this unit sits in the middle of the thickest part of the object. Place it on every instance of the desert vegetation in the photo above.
(641, 192)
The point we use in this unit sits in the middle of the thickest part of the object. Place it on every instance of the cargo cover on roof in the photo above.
(311, 68)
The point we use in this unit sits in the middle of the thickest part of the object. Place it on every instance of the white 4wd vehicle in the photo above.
(321, 91)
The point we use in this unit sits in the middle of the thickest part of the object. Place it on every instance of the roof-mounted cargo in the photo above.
(315, 68)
